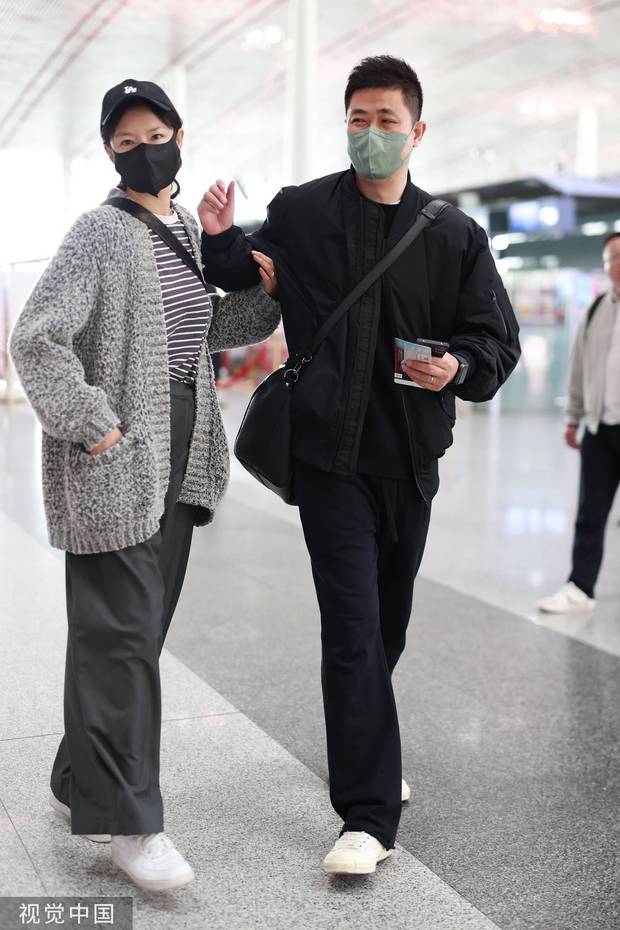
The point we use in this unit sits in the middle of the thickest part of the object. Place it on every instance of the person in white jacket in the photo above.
(594, 397)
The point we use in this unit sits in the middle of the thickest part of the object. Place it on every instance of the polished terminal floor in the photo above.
(509, 722)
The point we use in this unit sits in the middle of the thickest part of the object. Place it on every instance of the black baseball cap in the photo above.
(134, 90)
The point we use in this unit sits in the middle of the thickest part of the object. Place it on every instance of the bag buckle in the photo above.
(291, 375)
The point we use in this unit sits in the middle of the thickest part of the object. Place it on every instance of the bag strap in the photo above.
(424, 218)
(150, 220)
(593, 309)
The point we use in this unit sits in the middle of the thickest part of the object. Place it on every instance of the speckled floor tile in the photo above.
(253, 822)
(510, 731)
(252, 819)
(18, 875)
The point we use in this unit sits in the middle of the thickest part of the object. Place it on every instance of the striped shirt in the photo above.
(187, 306)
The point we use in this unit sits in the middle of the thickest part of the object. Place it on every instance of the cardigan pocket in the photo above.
(114, 490)
(106, 455)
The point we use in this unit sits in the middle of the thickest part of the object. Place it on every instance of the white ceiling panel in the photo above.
(504, 83)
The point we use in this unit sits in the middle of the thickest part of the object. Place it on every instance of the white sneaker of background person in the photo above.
(151, 861)
(569, 599)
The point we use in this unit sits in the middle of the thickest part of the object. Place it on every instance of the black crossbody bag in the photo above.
(264, 441)
(150, 220)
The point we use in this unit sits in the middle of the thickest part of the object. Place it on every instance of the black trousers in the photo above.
(119, 608)
(365, 537)
(600, 475)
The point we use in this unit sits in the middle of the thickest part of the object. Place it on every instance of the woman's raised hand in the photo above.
(267, 272)
(216, 210)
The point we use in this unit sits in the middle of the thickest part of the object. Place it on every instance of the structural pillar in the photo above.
(301, 93)
(586, 149)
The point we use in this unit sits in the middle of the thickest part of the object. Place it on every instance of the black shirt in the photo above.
(384, 446)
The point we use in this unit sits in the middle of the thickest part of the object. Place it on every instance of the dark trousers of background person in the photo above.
(119, 607)
(600, 475)
(365, 537)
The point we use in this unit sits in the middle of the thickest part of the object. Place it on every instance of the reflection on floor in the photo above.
(510, 730)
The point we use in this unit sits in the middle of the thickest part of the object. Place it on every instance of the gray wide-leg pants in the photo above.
(119, 608)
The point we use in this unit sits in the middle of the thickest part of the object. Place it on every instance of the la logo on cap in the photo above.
(130, 90)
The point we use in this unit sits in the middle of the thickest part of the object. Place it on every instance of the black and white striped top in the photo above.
(187, 306)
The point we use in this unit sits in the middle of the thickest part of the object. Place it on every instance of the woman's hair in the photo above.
(169, 117)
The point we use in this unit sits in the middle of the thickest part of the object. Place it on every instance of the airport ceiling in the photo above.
(508, 86)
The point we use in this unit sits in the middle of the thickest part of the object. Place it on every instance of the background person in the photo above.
(593, 396)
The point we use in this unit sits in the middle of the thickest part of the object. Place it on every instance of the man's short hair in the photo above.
(386, 71)
(613, 235)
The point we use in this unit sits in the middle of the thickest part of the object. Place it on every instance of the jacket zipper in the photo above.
(499, 310)
(343, 419)
(413, 459)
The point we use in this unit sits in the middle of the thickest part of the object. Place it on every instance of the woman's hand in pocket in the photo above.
(267, 272)
(110, 439)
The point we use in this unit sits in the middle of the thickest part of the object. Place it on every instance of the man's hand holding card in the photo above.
(417, 365)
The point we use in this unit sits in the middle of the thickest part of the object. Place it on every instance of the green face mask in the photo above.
(375, 153)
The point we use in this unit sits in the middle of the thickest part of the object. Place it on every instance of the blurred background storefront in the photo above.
(547, 234)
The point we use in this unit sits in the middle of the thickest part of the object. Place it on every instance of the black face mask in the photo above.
(149, 167)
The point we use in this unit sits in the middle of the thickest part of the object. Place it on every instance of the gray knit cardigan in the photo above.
(91, 353)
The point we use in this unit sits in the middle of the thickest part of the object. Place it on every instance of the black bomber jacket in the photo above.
(324, 236)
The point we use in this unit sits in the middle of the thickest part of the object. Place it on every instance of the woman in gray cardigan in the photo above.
(113, 350)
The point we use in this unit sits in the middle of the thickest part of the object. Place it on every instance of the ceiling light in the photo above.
(263, 38)
(254, 38)
(503, 240)
(273, 35)
(544, 107)
(594, 229)
(558, 16)
(557, 19)
(549, 216)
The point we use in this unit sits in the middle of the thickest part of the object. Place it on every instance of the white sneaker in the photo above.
(151, 861)
(63, 809)
(569, 599)
(355, 854)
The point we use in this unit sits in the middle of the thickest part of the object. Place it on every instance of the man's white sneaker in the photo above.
(63, 809)
(151, 861)
(355, 854)
(569, 599)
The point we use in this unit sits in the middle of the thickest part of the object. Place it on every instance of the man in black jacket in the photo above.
(367, 447)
